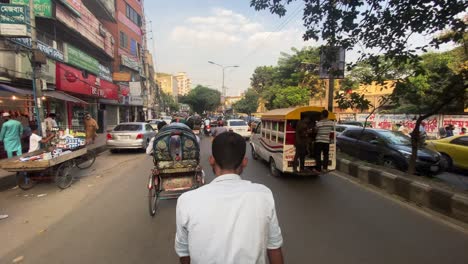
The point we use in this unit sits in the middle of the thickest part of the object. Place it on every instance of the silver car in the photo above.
(132, 135)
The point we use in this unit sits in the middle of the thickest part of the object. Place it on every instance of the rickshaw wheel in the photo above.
(153, 199)
(273, 169)
(24, 181)
(63, 176)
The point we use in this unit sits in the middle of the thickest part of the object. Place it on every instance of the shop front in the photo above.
(88, 88)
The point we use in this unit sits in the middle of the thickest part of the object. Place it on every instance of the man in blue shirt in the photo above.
(11, 135)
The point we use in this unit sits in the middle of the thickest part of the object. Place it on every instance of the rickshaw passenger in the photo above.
(149, 148)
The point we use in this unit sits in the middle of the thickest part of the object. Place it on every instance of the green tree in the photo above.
(201, 99)
(248, 104)
(169, 102)
(377, 24)
(291, 96)
(438, 84)
(295, 69)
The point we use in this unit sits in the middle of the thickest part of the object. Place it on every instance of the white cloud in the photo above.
(228, 38)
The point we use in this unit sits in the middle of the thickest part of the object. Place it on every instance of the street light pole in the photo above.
(223, 88)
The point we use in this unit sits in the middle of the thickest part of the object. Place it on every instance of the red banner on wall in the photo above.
(73, 80)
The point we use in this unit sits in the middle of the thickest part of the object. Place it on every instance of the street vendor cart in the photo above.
(29, 169)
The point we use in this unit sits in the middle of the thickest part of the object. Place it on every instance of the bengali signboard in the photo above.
(80, 59)
(130, 63)
(48, 50)
(136, 100)
(104, 73)
(14, 20)
(135, 88)
(42, 8)
(121, 76)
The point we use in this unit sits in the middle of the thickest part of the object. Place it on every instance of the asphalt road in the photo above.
(103, 218)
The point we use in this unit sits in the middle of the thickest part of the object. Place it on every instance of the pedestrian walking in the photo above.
(91, 127)
(322, 142)
(237, 222)
(10, 134)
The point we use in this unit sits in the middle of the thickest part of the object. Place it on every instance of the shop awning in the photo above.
(63, 96)
(7, 88)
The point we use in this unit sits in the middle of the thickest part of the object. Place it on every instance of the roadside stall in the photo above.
(67, 150)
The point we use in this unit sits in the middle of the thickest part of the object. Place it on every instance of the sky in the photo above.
(185, 34)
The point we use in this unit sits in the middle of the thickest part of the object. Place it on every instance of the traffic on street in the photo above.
(103, 218)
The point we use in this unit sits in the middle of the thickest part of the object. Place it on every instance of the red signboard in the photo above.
(72, 80)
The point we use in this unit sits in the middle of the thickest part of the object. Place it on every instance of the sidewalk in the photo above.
(8, 179)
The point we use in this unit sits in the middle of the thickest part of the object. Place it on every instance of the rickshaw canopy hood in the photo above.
(293, 113)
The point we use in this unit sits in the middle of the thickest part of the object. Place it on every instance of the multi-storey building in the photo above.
(92, 55)
(167, 83)
(184, 84)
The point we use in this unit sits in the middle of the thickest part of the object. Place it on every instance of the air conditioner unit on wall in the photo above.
(102, 32)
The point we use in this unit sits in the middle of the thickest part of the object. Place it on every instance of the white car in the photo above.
(239, 126)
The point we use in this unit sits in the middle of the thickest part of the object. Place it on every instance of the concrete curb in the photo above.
(9, 181)
(448, 203)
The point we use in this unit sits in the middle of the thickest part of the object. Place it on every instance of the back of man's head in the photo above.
(228, 150)
(324, 114)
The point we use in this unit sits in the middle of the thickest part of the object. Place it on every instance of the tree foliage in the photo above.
(381, 25)
(249, 103)
(297, 69)
(169, 102)
(201, 99)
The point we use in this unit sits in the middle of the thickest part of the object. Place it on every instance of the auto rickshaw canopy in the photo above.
(293, 113)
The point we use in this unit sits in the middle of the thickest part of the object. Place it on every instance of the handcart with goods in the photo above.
(57, 163)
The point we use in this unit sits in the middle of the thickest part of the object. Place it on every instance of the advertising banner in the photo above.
(14, 20)
(42, 8)
(136, 100)
(130, 63)
(121, 76)
(48, 50)
(80, 59)
(104, 73)
(72, 80)
(135, 88)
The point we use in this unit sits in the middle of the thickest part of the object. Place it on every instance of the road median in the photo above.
(444, 201)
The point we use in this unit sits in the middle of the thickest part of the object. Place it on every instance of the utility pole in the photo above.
(331, 88)
(36, 70)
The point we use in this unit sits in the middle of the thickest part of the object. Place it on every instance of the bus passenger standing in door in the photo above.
(322, 142)
(300, 144)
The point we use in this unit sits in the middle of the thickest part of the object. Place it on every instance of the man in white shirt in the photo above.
(322, 142)
(35, 139)
(229, 220)
(50, 122)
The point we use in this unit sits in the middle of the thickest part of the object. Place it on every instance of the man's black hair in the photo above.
(228, 150)
(33, 127)
(161, 124)
(325, 113)
(52, 115)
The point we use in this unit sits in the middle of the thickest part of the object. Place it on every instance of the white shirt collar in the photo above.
(226, 177)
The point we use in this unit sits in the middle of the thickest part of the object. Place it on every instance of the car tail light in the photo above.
(208, 126)
(249, 129)
(109, 136)
(139, 136)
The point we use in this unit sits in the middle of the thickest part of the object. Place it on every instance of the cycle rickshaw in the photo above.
(176, 157)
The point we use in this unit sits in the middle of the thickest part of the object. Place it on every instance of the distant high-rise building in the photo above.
(184, 84)
(167, 82)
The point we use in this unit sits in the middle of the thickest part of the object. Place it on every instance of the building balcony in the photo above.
(104, 9)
